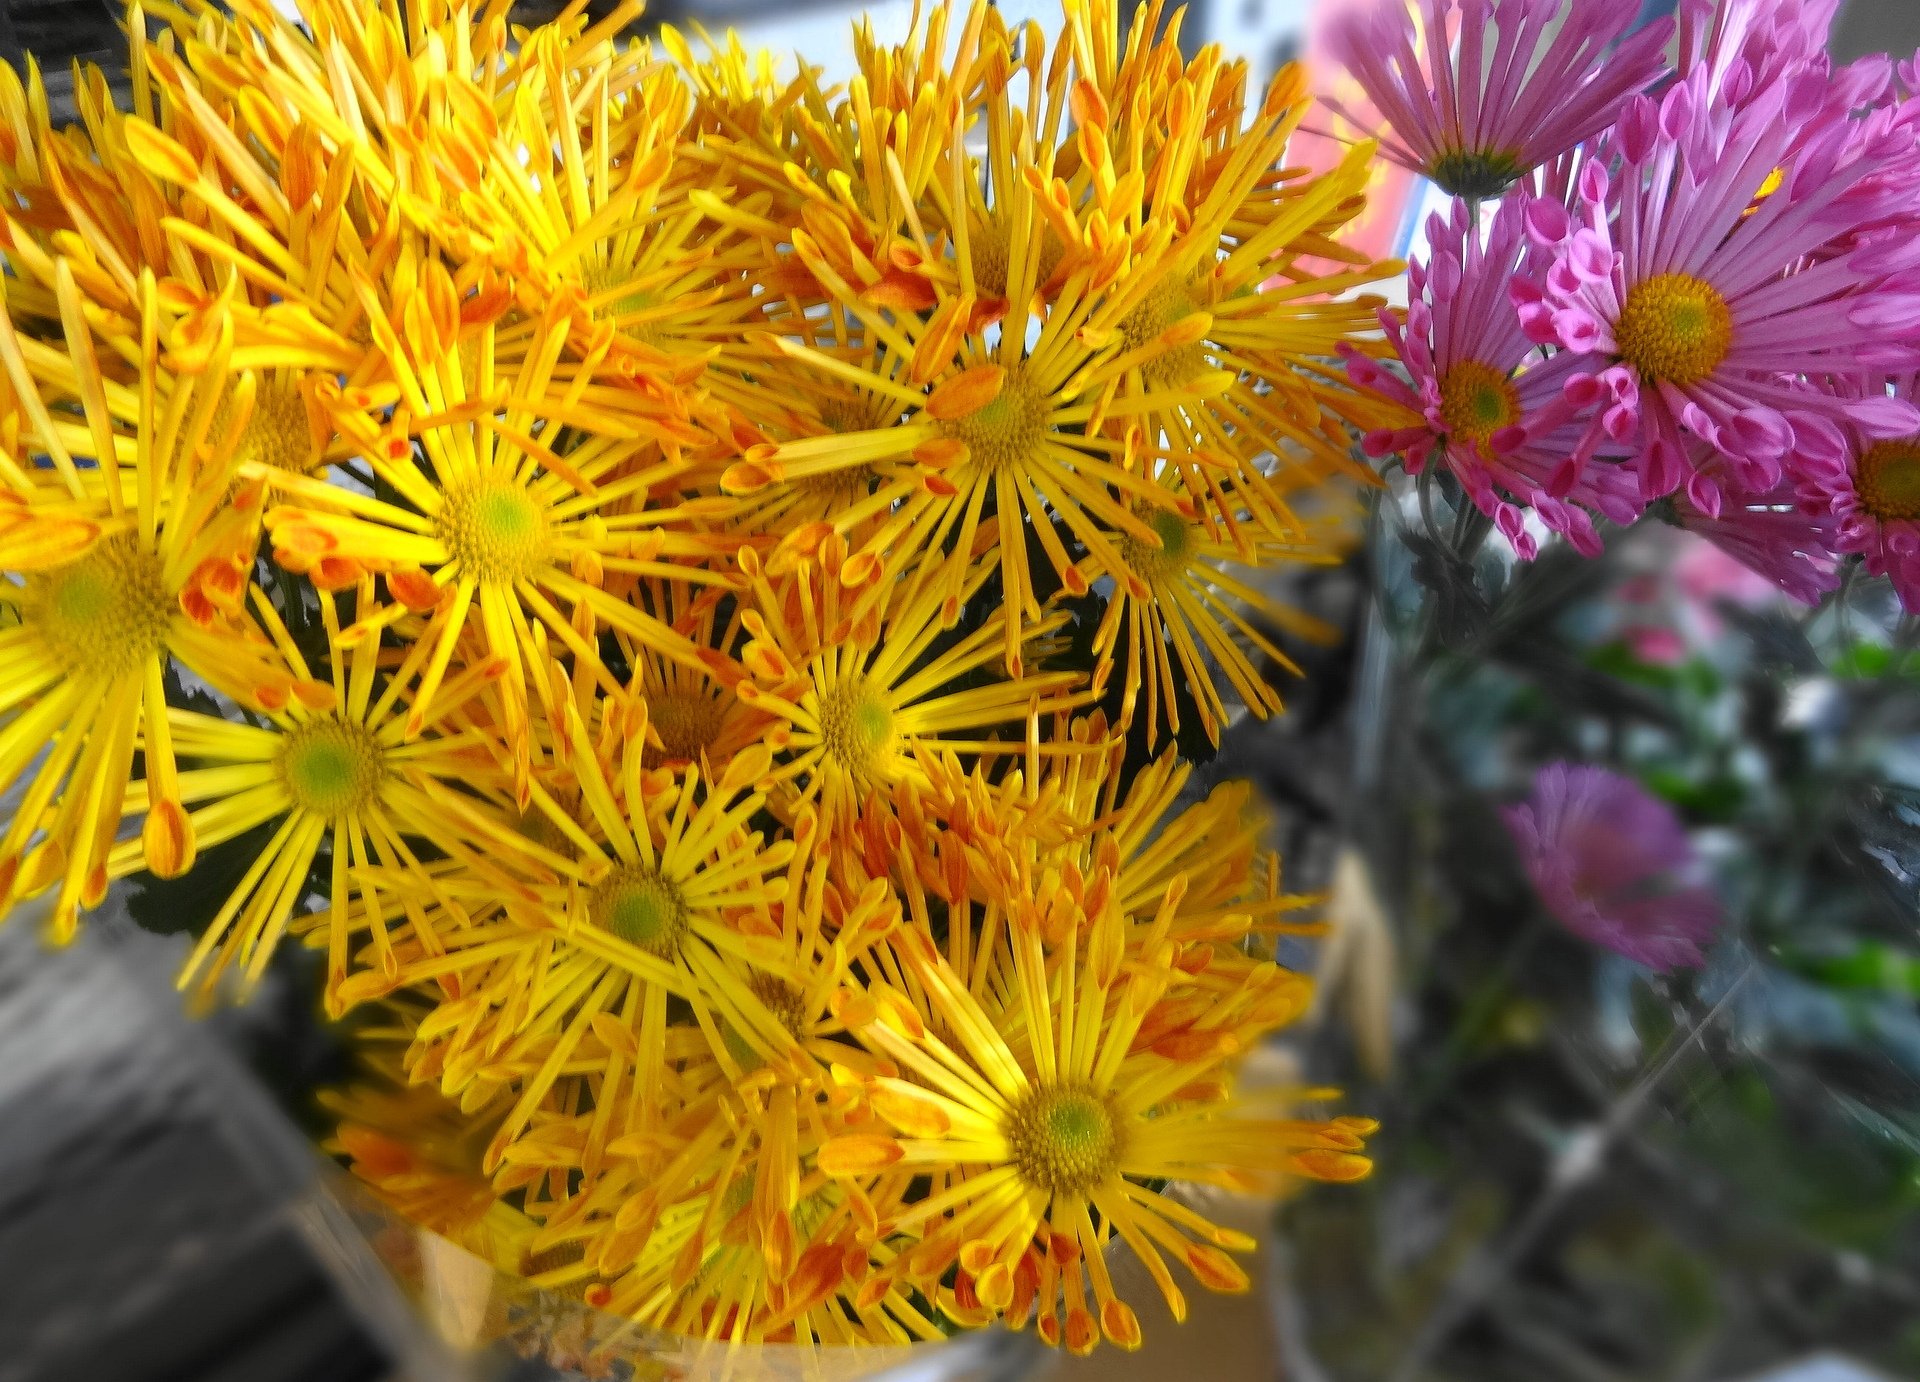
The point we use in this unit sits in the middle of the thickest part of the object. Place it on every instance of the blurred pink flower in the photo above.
(1476, 116)
(1707, 574)
(1613, 864)
(1670, 611)
(1655, 644)
(1759, 544)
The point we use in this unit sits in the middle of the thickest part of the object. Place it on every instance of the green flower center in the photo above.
(1063, 1138)
(494, 531)
(1887, 477)
(642, 908)
(603, 284)
(331, 768)
(856, 725)
(1476, 401)
(1152, 564)
(1476, 174)
(104, 615)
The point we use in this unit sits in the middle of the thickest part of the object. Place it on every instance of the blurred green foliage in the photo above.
(1587, 1170)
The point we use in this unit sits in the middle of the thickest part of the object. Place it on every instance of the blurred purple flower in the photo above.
(1613, 865)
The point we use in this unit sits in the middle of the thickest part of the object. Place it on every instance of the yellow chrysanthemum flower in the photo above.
(1003, 424)
(1265, 275)
(341, 778)
(693, 715)
(687, 485)
(1044, 867)
(673, 288)
(1035, 1108)
(88, 652)
(649, 907)
(856, 699)
(493, 524)
(122, 196)
(1180, 608)
(803, 408)
(420, 1154)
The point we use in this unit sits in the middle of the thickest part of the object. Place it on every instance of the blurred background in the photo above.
(1588, 1171)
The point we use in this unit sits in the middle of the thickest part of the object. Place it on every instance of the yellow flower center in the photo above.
(641, 908)
(537, 826)
(856, 725)
(276, 431)
(104, 615)
(603, 283)
(1153, 564)
(1887, 477)
(555, 1257)
(1009, 432)
(1476, 174)
(1674, 327)
(838, 486)
(1170, 302)
(331, 768)
(686, 722)
(469, 352)
(495, 531)
(780, 998)
(990, 251)
(1476, 401)
(1063, 1138)
(859, 413)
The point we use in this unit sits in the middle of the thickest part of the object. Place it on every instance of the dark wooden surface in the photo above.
(134, 1244)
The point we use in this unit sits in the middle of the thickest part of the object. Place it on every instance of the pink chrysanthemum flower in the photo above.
(1773, 536)
(1749, 45)
(1701, 285)
(1874, 495)
(1475, 113)
(1746, 46)
(1613, 865)
(1463, 347)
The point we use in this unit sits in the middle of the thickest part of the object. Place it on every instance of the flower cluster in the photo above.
(654, 569)
(1698, 289)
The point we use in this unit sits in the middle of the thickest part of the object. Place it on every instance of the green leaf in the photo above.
(1718, 798)
(1864, 661)
(1870, 966)
(1616, 659)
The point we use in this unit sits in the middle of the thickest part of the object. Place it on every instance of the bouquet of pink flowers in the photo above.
(1692, 290)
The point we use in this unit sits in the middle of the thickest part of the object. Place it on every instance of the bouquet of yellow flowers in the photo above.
(691, 569)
